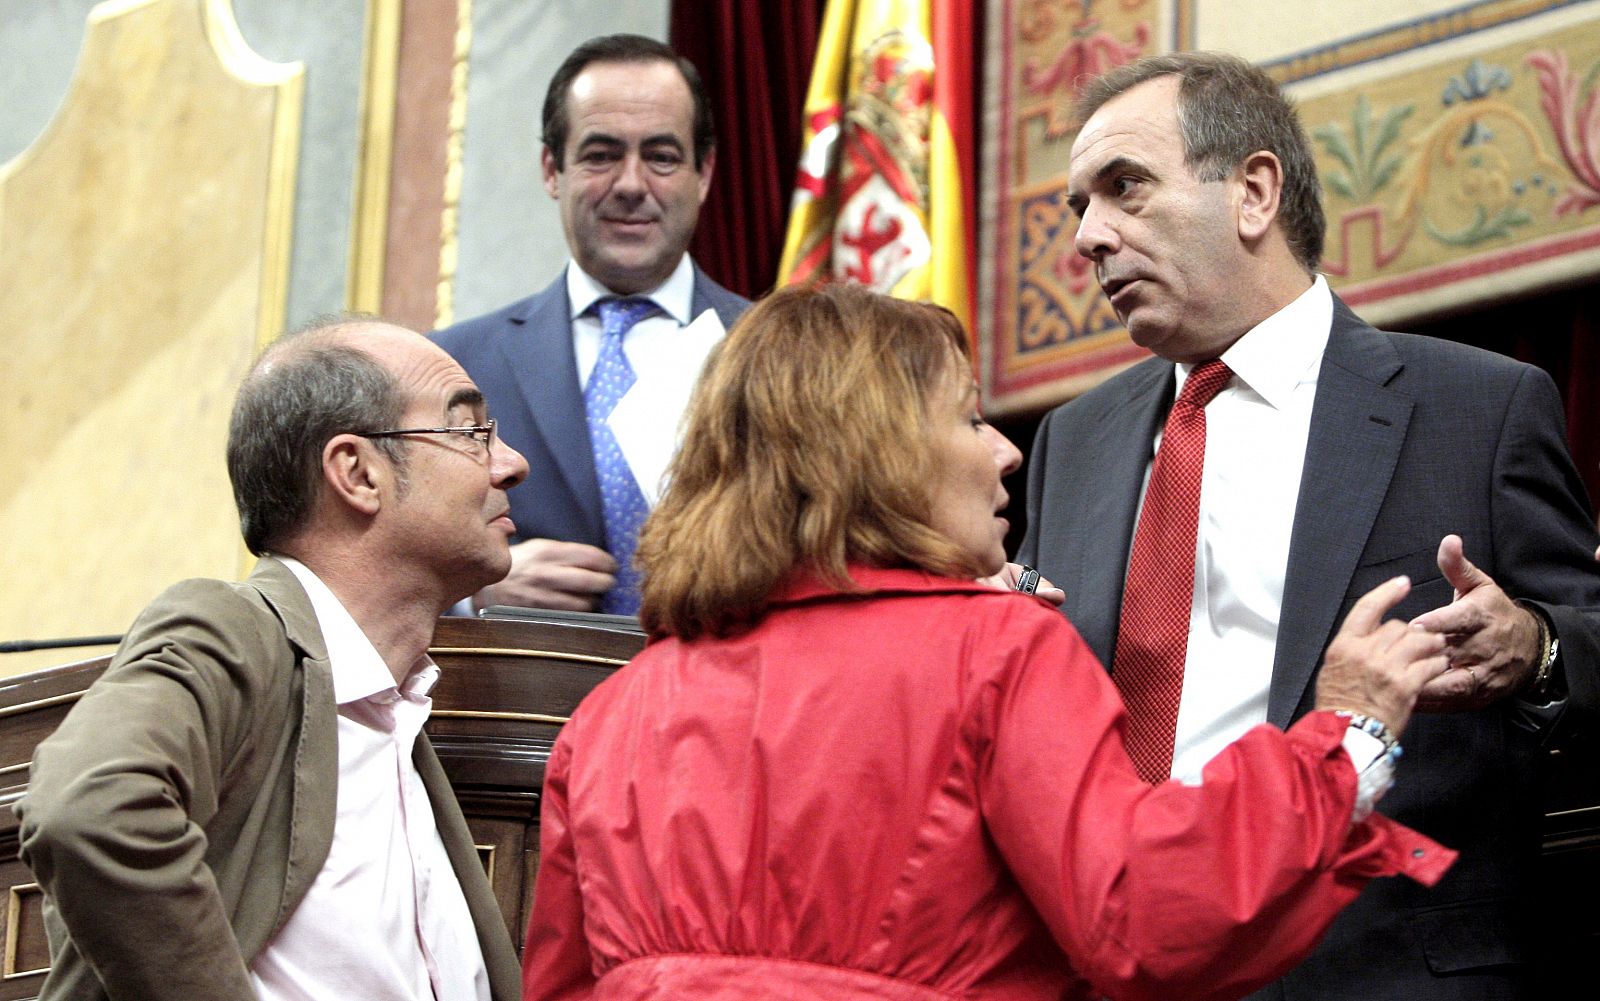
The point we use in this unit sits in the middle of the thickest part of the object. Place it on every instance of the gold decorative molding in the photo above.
(449, 233)
(236, 56)
(8, 969)
(494, 714)
(145, 243)
(369, 226)
(580, 658)
(26, 707)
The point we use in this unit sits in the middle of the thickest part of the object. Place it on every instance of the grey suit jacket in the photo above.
(521, 357)
(1412, 438)
(183, 808)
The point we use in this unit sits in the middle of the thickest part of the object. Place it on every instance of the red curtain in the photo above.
(755, 59)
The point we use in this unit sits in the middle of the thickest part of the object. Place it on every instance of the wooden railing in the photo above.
(507, 687)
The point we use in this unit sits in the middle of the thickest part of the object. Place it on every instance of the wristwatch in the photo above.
(1546, 683)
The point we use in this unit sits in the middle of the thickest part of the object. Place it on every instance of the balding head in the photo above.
(330, 378)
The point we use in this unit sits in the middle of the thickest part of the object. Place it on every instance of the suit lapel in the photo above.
(539, 355)
(1110, 470)
(709, 295)
(1358, 424)
(499, 957)
(316, 770)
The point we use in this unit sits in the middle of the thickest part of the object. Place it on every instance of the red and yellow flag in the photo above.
(884, 192)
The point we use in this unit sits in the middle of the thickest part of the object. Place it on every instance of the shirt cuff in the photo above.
(1374, 770)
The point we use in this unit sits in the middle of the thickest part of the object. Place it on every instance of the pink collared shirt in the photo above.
(385, 918)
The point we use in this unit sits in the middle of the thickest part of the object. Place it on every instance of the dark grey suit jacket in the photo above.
(521, 357)
(1412, 438)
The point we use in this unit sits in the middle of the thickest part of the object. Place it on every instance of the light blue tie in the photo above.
(620, 496)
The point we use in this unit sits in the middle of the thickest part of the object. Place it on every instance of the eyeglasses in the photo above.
(483, 434)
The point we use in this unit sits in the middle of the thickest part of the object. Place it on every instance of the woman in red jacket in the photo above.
(844, 769)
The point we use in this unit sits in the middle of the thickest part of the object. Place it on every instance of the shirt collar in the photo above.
(358, 670)
(1282, 351)
(675, 296)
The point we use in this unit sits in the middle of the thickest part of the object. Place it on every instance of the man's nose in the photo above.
(507, 467)
(1096, 236)
(630, 175)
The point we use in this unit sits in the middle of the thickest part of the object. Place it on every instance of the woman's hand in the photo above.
(1376, 668)
(1006, 580)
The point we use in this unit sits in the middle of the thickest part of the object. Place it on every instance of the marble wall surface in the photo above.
(178, 185)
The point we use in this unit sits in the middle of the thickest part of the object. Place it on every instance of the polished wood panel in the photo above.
(505, 688)
(31, 705)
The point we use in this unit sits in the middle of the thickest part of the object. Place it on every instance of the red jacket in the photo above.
(923, 793)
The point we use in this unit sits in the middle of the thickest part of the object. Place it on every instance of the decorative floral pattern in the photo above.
(1366, 155)
(1472, 173)
(1089, 50)
(1577, 128)
(1475, 83)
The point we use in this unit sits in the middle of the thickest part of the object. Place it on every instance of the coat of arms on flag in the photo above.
(879, 196)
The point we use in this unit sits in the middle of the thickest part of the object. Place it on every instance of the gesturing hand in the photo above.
(1376, 667)
(1006, 580)
(1492, 642)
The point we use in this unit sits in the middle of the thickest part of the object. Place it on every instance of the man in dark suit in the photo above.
(628, 152)
(1335, 456)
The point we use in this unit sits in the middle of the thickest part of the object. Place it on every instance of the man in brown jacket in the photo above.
(243, 806)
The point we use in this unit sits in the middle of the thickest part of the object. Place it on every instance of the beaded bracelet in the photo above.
(1374, 727)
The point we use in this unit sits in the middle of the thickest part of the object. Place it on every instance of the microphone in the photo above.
(24, 646)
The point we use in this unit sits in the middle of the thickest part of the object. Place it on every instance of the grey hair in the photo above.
(306, 388)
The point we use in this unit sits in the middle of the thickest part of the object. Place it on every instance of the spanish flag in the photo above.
(884, 192)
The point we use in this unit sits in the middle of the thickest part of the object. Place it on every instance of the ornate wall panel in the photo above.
(144, 253)
(144, 258)
(1458, 146)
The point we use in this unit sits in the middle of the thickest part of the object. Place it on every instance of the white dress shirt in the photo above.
(666, 359)
(1256, 432)
(666, 350)
(649, 339)
(385, 917)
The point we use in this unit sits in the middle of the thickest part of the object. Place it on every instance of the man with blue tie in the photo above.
(590, 376)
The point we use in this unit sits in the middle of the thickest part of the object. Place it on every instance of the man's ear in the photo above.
(552, 174)
(355, 473)
(1260, 179)
(706, 167)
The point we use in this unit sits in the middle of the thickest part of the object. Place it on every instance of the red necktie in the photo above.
(1153, 634)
